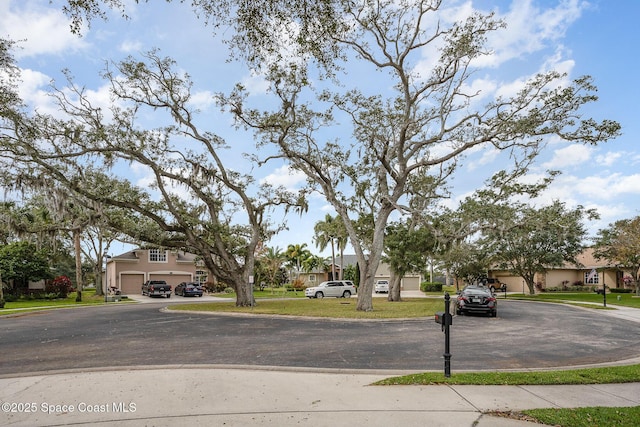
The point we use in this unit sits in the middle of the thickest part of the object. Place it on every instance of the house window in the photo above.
(157, 255)
(312, 278)
(590, 278)
(201, 276)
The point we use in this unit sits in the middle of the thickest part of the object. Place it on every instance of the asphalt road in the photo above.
(524, 335)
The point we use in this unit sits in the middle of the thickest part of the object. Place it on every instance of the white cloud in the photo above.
(606, 190)
(202, 100)
(530, 29)
(488, 156)
(255, 84)
(284, 176)
(625, 184)
(30, 88)
(570, 156)
(608, 159)
(129, 46)
(40, 30)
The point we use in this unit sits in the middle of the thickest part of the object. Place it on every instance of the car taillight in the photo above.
(491, 299)
(151, 288)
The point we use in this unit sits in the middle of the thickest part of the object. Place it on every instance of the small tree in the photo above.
(61, 286)
(406, 250)
(531, 240)
(21, 262)
(620, 243)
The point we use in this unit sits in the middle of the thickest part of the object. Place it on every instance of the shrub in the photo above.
(60, 286)
(298, 285)
(215, 287)
(564, 288)
(431, 287)
(228, 290)
(620, 290)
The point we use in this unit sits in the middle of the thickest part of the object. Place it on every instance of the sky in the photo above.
(597, 38)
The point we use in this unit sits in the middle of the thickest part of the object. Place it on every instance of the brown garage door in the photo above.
(131, 283)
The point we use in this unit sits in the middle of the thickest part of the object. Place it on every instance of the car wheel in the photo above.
(168, 295)
(494, 313)
(346, 294)
(319, 295)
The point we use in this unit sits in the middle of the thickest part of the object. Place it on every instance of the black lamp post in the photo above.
(106, 277)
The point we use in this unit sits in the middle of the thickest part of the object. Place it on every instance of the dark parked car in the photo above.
(477, 299)
(156, 288)
(189, 289)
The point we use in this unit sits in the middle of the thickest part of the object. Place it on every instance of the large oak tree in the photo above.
(408, 132)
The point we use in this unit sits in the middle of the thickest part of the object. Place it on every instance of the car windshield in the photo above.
(475, 291)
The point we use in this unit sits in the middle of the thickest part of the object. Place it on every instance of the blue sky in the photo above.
(598, 38)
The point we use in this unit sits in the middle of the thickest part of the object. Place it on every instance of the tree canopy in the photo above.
(531, 240)
(407, 140)
(620, 243)
(372, 150)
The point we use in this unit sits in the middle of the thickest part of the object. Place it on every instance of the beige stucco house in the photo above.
(589, 271)
(128, 271)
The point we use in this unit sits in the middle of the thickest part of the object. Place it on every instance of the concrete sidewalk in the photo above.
(211, 396)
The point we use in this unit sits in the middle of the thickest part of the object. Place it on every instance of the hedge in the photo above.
(431, 287)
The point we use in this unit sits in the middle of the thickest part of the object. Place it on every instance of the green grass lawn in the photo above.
(266, 293)
(626, 300)
(24, 304)
(587, 417)
(608, 375)
(343, 308)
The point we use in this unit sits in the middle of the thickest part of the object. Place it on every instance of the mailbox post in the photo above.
(446, 320)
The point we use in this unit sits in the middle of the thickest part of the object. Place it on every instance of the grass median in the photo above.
(588, 299)
(26, 304)
(608, 375)
(340, 308)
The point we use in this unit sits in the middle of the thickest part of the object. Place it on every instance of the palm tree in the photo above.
(273, 259)
(296, 254)
(324, 235)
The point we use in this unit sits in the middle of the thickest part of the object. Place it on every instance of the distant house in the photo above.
(128, 271)
(589, 271)
(410, 281)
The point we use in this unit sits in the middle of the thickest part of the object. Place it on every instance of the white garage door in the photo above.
(411, 283)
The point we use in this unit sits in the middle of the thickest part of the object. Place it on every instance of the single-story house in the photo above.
(589, 271)
(128, 271)
(410, 281)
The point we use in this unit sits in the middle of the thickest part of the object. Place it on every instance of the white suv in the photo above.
(382, 286)
(332, 288)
